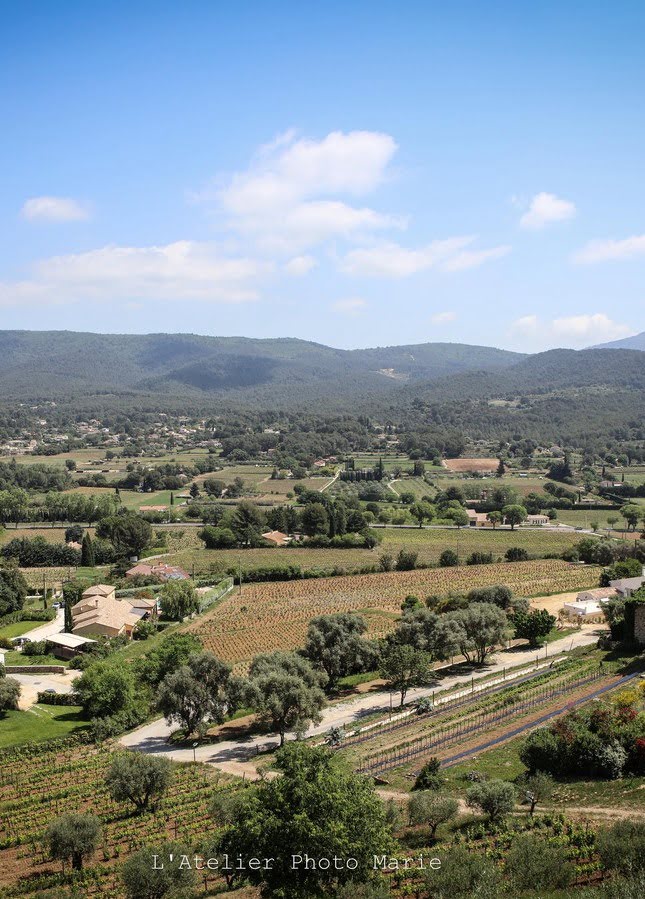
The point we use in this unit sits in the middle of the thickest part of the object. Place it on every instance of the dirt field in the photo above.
(471, 464)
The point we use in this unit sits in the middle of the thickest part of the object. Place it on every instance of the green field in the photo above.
(41, 722)
(18, 628)
(429, 543)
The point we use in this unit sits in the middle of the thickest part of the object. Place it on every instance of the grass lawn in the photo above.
(560, 634)
(41, 722)
(18, 628)
(429, 543)
(18, 658)
(504, 763)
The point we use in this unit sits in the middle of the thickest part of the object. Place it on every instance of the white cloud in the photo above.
(546, 208)
(350, 306)
(573, 330)
(610, 250)
(300, 265)
(178, 271)
(394, 261)
(472, 258)
(290, 197)
(53, 209)
(442, 318)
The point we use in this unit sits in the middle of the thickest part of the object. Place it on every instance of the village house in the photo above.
(625, 586)
(161, 570)
(100, 613)
(477, 519)
(277, 538)
(537, 519)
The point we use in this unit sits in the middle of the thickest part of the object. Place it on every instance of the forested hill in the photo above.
(553, 371)
(476, 390)
(40, 364)
(636, 342)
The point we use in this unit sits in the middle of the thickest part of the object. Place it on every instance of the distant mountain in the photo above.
(41, 364)
(552, 371)
(560, 395)
(636, 342)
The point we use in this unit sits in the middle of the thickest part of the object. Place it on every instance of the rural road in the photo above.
(235, 756)
(49, 628)
(32, 684)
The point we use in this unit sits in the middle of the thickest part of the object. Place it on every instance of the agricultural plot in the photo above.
(265, 617)
(36, 788)
(187, 550)
(461, 465)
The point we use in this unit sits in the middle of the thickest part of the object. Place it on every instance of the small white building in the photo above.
(587, 609)
(537, 519)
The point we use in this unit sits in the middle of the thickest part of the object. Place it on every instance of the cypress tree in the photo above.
(87, 552)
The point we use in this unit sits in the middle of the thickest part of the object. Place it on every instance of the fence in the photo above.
(218, 592)
(453, 731)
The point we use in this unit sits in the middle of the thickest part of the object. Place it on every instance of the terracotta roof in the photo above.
(99, 590)
(107, 612)
(276, 537)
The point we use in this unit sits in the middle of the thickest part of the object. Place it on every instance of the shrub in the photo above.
(448, 559)
(428, 777)
(532, 864)
(479, 559)
(622, 847)
(516, 554)
(406, 560)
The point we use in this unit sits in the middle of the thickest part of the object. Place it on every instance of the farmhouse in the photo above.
(537, 519)
(477, 519)
(277, 538)
(596, 594)
(625, 586)
(100, 613)
(161, 570)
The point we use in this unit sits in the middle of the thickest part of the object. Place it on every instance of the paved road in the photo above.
(49, 628)
(235, 756)
(32, 684)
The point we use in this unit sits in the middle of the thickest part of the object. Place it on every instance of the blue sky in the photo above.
(358, 174)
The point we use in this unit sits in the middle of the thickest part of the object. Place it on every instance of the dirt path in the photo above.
(597, 810)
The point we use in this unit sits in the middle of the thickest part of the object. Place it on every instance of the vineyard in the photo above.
(37, 788)
(266, 617)
(187, 550)
(507, 705)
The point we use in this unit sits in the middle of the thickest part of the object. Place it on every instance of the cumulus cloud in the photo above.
(350, 306)
(610, 250)
(391, 260)
(546, 208)
(300, 265)
(178, 271)
(472, 258)
(573, 330)
(53, 209)
(294, 193)
(442, 318)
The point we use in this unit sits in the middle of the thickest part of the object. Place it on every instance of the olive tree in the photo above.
(73, 837)
(139, 779)
(432, 809)
(496, 798)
